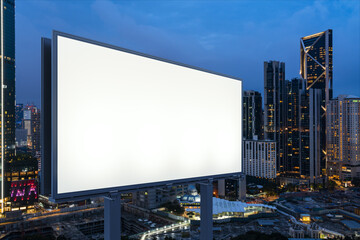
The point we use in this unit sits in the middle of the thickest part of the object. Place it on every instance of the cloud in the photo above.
(125, 30)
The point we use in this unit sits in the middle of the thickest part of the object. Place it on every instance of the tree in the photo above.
(174, 207)
(271, 189)
(331, 185)
(290, 187)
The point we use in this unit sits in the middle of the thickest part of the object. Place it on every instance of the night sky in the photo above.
(230, 37)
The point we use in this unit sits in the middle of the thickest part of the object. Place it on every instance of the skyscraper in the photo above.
(275, 109)
(293, 142)
(343, 137)
(316, 70)
(252, 115)
(7, 111)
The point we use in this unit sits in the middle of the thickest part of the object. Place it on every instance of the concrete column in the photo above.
(221, 188)
(206, 211)
(112, 217)
(242, 187)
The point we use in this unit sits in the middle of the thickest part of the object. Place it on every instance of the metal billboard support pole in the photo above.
(206, 211)
(112, 217)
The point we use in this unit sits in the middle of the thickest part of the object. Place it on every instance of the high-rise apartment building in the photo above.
(259, 158)
(316, 71)
(275, 109)
(343, 137)
(7, 104)
(252, 115)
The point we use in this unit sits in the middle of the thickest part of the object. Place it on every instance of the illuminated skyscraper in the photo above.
(7, 106)
(275, 109)
(316, 70)
(293, 140)
(343, 137)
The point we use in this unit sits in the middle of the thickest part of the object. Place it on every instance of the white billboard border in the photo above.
(82, 195)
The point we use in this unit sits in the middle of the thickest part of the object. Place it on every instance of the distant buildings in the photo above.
(21, 136)
(31, 122)
(28, 128)
(7, 104)
(259, 158)
(252, 115)
(275, 109)
(19, 115)
(343, 137)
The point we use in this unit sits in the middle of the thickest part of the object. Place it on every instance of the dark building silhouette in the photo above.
(252, 115)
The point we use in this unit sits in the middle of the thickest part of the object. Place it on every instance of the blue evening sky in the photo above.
(230, 37)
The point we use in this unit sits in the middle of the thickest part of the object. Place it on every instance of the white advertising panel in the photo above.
(126, 119)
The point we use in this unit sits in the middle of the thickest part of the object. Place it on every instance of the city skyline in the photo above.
(233, 40)
(159, 119)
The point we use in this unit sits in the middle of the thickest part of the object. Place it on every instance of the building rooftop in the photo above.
(304, 238)
(344, 96)
(352, 225)
(222, 205)
(264, 222)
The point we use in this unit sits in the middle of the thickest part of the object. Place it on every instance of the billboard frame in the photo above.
(81, 195)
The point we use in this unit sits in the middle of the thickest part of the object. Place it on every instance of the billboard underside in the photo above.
(124, 119)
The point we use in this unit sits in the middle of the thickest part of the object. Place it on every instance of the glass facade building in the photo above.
(7, 104)
(316, 67)
(275, 109)
(293, 140)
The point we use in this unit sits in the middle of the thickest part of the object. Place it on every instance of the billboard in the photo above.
(123, 120)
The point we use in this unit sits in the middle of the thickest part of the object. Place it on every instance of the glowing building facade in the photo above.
(343, 138)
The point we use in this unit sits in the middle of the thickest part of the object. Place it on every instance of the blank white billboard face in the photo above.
(125, 119)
